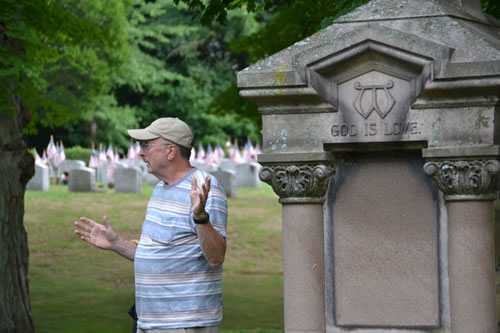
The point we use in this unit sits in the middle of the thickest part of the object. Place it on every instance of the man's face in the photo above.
(155, 154)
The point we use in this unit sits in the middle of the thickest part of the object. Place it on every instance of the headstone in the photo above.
(150, 179)
(381, 135)
(247, 175)
(227, 179)
(128, 180)
(68, 165)
(81, 180)
(227, 164)
(102, 174)
(40, 180)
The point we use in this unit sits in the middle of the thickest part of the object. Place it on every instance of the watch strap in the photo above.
(204, 220)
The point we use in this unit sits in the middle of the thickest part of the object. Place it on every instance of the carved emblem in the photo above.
(379, 95)
(297, 181)
(465, 180)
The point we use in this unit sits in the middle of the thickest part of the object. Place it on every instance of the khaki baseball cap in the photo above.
(171, 129)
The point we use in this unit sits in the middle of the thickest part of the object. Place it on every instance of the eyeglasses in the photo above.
(145, 146)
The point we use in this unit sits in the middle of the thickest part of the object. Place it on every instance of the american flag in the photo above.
(201, 153)
(93, 163)
(192, 157)
(51, 149)
(219, 154)
(131, 155)
(210, 156)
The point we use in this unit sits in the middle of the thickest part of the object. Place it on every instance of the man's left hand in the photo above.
(199, 197)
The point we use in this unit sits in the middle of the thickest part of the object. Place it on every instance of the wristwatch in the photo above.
(204, 220)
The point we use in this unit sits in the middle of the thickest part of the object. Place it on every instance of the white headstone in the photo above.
(152, 180)
(102, 174)
(128, 180)
(40, 180)
(227, 179)
(227, 164)
(81, 180)
(247, 175)
(68, 165)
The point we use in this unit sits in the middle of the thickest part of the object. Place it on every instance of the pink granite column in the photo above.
(469, 188)
(301, 187)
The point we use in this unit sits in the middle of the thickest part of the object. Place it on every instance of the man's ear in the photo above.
(171, 153)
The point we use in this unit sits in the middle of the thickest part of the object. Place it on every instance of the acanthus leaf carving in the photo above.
(465, 179)
(294, 181)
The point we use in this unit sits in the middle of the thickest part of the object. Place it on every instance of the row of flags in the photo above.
(53, 155)
(104, 157)
(211, 155)
(215, 156)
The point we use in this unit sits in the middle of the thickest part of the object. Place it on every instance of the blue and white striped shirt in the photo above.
(175, 287)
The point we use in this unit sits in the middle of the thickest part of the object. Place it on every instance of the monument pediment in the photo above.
(405, 60)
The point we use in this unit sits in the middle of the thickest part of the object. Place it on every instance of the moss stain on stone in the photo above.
(280, 77)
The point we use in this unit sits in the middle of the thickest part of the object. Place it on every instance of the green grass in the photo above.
(77, 288)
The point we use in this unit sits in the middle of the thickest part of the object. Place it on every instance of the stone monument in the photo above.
(81, 180)
(40, 181)
(381, 136)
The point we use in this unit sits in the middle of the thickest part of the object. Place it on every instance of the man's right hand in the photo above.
(101, 236)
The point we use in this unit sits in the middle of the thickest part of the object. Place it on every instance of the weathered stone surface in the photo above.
(385, 244)
(81, 180)
(227, 179)
(40, 181)
(128, 180)
(247, 175)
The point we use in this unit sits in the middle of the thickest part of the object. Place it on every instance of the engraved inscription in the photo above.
(380, 100)
(373, 129)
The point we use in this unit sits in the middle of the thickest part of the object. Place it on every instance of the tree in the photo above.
(52, 68)
(178, 65)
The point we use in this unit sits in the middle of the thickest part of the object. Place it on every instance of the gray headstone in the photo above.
(227, 164)
(152, 180)
(102, 174)
(68, 165)
(128, 180)
(81, 180)
(247, 175)
(40, 181)
(227, 179)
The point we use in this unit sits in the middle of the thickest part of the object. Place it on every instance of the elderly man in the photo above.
(177, 263)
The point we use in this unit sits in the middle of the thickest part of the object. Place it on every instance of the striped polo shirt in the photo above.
(175, 287)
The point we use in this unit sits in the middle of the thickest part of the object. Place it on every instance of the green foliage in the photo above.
(177, 66)
(278, 32)
(78, 153)
(61, 57)
(491, 7)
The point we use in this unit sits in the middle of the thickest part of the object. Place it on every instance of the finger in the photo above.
(106, 223)
(82, 226)
(81, 233)
(207, 181)
(88, 221)
(193, 184)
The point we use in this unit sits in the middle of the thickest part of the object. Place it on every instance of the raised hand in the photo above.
(199, 197)
(101, 236)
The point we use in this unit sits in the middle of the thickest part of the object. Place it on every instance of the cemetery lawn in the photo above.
(77, 288)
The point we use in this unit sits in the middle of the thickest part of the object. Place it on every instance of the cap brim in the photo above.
(141, 134)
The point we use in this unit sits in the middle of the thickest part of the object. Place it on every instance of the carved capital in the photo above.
(465, 179)
(298, 182)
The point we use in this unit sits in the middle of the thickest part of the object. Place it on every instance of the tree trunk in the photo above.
(16, 168)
